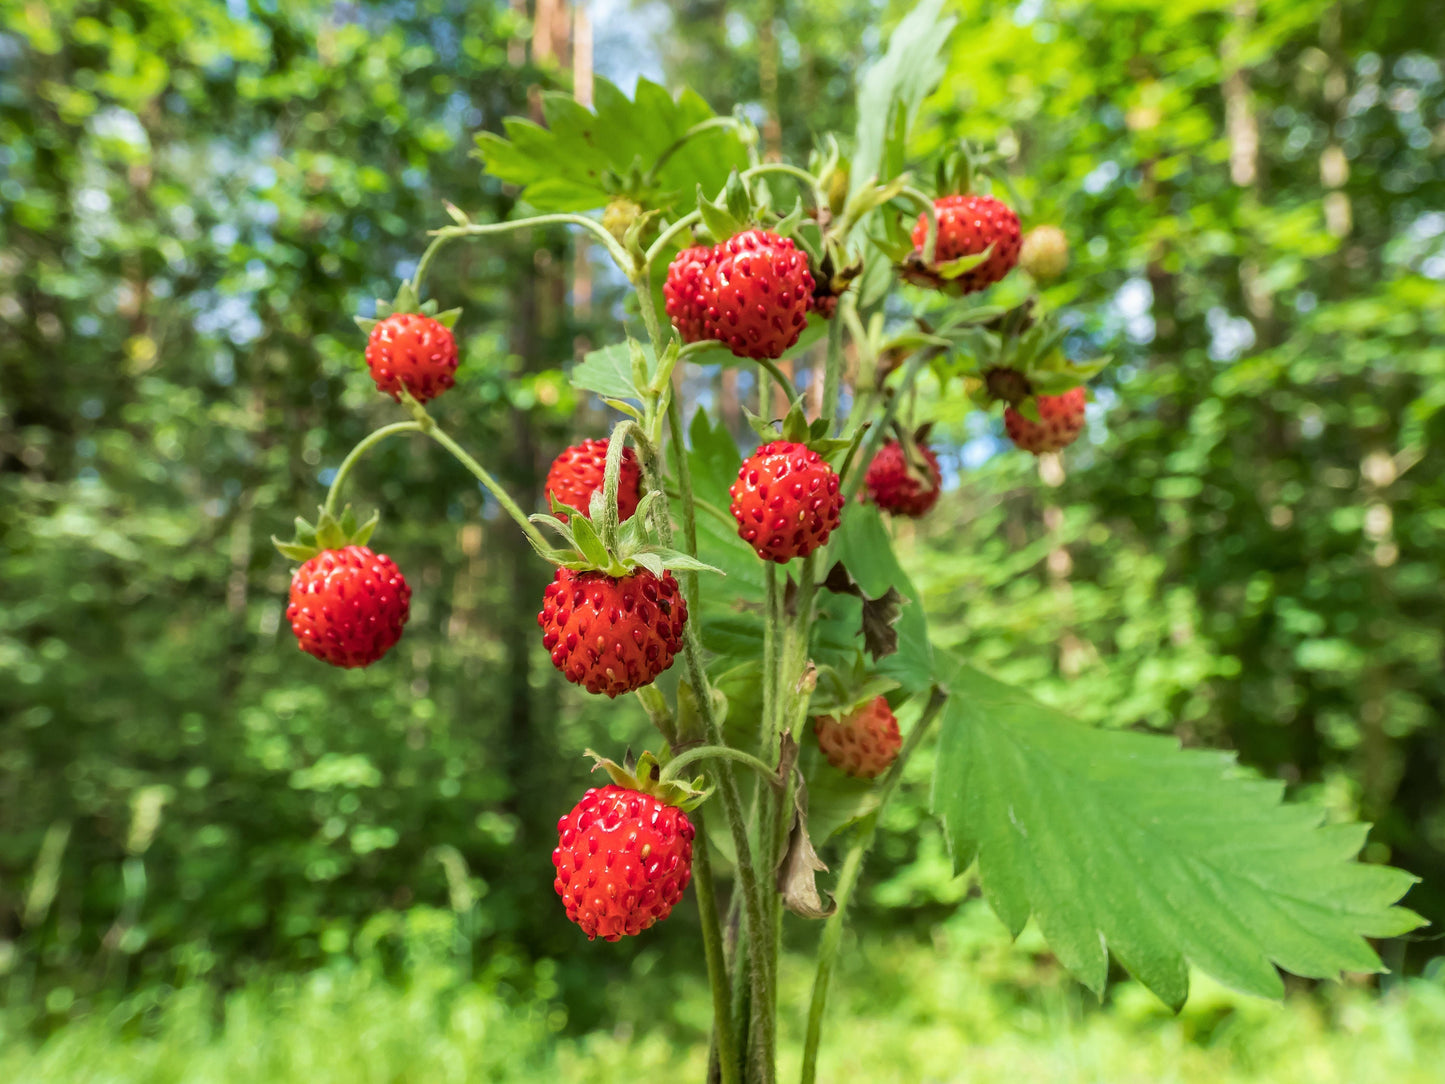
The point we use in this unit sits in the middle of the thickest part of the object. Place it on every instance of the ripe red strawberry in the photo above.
(407, 349)
(688, 291)
(612, 634)
(966, 226)
(762, 290)
(786, 501)
(623, 859)
(1061, 420)
(578, 473)
(895, 485)
(864, 742)
(348, 606)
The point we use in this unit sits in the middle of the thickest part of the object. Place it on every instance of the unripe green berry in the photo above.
(1045, 253)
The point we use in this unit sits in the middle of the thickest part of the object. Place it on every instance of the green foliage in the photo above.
(650, 148)
(1120, 843)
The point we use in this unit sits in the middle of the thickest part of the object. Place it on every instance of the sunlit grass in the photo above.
(968, 1009)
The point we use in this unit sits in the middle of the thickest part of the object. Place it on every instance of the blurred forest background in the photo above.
(196, 196)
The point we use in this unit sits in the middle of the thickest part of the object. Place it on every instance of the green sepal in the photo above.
(718, 216)
(329, 533)
(840, 693)
(644, 774)
(953, 269)
(795, 427)
(406, 300)
(456, 213)
(586, 548)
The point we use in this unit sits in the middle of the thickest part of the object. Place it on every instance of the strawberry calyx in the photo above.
(594, 541)
(406, 300)
(840, 692)
(330, 532)
(796, 429)
(644, 774)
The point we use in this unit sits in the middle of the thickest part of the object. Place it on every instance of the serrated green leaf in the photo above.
(565, 166)
(1122, 843)
(608, 371)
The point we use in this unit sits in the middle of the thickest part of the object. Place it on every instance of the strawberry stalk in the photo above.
(371, 440)
(761, 974)
(848, 881)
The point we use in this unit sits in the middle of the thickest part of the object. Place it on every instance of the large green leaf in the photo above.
(1121, 843)
(582, 158)
(890, 95)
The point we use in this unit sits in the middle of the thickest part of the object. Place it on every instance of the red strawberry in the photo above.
(895, 484)
(966, 226)
(623, 859)
(761, 291)
(348, 606)
(864, 743)
(612, 634)
(786, 501)
(578, 473)
(413, 351)
(688, 291)
(1061, 420)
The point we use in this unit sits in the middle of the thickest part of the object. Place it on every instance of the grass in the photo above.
(967, 1009)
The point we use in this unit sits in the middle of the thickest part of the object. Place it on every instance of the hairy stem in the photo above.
(833, 368)
(761, 976)
(713, 752)
(616, 251)
(368, 442)
(848, 881)
(712, 947)
(492, 486)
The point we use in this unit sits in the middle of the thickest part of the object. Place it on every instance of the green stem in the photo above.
(789, 391)
(492, 485)
(930, 242)
(615, 250)
(712, 948)
(833, 366)
(848, 881)
(801, 175)
(425, 262)
(658, 247)
(760, 975)
(876, 434)
(713, 752)
(368, 442)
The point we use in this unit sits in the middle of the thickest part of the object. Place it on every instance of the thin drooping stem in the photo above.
(761, 977)
(714, 752)
(848, 881)
(658, 247)
(616, 251)
(368, 442)
(419, 275)
(775, 371)
(712, 947)
(492, 486)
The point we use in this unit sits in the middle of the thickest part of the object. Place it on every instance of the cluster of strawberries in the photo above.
(623, 857)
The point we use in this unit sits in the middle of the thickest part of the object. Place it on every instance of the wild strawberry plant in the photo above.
(770, 575)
